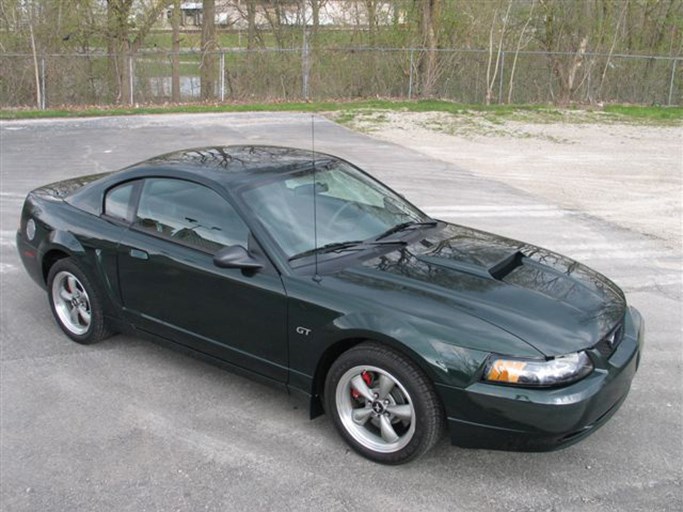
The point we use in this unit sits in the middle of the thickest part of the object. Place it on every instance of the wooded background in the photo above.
(86, 52)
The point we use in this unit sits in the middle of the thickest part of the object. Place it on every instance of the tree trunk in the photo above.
(117, 48)
(611, 49)
(567, 74)
(315, 14)
(251, 23)
(121, 46)
(517, 50)
(175, 59)
(39, 100)
(208, 65)
(427, 67)
(371, 6)
(491, 80)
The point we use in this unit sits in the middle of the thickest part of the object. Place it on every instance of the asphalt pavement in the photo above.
(127, 425)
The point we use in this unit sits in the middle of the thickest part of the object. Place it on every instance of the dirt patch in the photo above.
(628, 174)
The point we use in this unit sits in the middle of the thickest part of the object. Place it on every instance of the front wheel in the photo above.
(382, 404)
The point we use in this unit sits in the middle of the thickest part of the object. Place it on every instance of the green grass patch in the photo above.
(347, 110)
(649, 113)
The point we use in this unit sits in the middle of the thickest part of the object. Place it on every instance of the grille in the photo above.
(609, 343)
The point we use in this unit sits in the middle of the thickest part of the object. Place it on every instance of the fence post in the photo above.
(671, 83)
(131, 99)
(222, 66)
(410, 75)
(43, 87)
(304, 67)
(500, 78)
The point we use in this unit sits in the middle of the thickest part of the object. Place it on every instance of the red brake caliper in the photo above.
(368, 380)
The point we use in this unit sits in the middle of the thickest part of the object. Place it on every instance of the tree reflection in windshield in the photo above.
(349, 205)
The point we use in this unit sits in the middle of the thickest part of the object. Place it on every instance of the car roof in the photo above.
(230, 164)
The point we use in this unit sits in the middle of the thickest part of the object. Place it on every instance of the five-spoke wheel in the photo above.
(383, 404)
(375, 409)
(71, 302)
(76, 303)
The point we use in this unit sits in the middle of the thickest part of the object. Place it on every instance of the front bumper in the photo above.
(507, 418)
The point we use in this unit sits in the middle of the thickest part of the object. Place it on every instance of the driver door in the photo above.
(171, 287)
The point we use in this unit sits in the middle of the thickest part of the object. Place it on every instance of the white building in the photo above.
(333, 13)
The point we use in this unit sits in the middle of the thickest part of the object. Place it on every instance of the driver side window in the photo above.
(190, 214)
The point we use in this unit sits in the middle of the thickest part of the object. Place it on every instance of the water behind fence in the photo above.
(324, 74)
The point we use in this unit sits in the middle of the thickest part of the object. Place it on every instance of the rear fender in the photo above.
(62, 241)
(66, 242)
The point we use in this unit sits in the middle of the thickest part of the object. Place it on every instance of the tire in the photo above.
(76, 303)
(382, 404)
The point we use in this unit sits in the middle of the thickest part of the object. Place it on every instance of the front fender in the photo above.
(313, 351)
(394, 332)
(427, 344)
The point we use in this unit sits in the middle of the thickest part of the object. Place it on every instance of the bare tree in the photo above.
(123, 42)
(429, 13)
(39, 92)
(521, 42)
(611, 49)
(175, 58)
(251, 23)
(371, 7)
(209, 47)
(491, 77)
(564, 36)
(315, 18)
(581, 40)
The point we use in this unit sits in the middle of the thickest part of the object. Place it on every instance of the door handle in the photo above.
(137, 253)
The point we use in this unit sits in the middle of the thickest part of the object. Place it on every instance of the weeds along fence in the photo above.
(323, 74)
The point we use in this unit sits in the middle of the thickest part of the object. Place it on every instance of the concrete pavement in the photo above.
(126, 425)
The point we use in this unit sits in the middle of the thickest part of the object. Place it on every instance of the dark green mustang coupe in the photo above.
(300, 269)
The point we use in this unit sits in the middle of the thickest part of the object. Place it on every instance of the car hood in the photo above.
(551, 302)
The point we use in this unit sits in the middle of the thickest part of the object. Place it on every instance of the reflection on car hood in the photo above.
(552, 302)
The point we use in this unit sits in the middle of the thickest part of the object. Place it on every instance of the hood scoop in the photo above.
(497, 271)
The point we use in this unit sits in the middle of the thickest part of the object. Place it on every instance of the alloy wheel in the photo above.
(71, 303)
(375, 409)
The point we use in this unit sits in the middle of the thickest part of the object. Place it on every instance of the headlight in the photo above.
(536, 373)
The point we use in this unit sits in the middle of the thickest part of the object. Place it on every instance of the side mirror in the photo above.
(235, 256)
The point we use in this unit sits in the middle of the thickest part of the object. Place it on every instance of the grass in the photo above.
(186, 109)
(650, 113)
(347, 110)
(498, 114)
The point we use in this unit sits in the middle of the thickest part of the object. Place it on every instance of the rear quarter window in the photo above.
(117, 202)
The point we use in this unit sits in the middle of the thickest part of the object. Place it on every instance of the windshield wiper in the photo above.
(343, 246)
(404, 226)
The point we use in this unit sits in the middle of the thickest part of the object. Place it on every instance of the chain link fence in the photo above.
(327, 74)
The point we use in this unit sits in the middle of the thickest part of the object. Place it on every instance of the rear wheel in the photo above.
(382, 404)
(76, 303)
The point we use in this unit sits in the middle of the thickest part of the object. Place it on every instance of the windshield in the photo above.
(350, 206)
